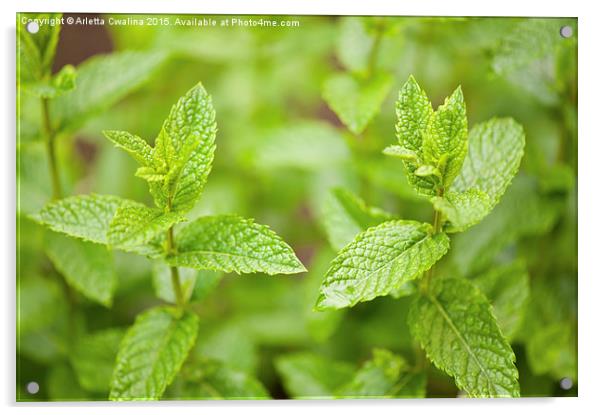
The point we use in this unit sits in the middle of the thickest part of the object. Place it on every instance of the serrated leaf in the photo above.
(445, 142)
(307, 145)
(84, 216)
(132, 144)
(462, 210)
(211, 379)
(356, 101)
(386, 375)
(94, 358)
(345, 215)
(184, 151)
(86, 266)
(306, 375)
(136, 225)
(414, 110)
(101, 82)
(152, 352)
(380, 260)
(495, 150)
(507, 287)
(233, 244)
(455, 325)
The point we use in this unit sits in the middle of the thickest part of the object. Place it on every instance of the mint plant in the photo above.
(463, 174)
(176, 170)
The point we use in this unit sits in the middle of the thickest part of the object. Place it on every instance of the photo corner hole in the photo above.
(32, 27)
(566, 31)
(566, 383)
(33, 388)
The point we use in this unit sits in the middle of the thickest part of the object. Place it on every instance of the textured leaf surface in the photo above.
(454, 323)
(380, 260)
(86, 266)
(101, 82)
(385, 376)
(414, 111)
(345, 215)
(507, 287)
(151, 353)
(84, 216)
(233, 244)
(135, 225)
(94, 359)
(306, 375)
(496, 148)
(356, 101)
(462, 210)
(445, 143)
(211, 379)
(133, 145)
(184, 151)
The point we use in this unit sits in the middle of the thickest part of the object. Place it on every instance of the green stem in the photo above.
(175, 274)
(50, 136)
(437, 226)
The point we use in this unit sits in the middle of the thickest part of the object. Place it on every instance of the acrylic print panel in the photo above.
(398, 195)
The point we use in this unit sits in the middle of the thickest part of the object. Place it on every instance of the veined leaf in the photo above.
(462, 210)
(86, 266)
(495, 150)
(345, 215)
(414, 111)
(211, 379)
(356, 101)
(385, 376)
(454, 323)
(133, 145)
(151, 353)
(94, 358)
(507, 287)
(184, 151)
(307, 375)
(233, 244)
(445, 142)
(84, 216)
(101, 82)
(135, 225)
(379, 260)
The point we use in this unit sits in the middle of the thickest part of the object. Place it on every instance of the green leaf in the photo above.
(401, 152)
(345, 215)
(62, 82)
(552, 350)
(385, 376)
(310, 376)
(354, 44)
(84, 216)
(184, 151)
(445, 142)
(61, 384)
(152, 352)
(454, 323)
(462, 210)
(86, 266)
(211, 379)
(414, 111)
(135, 225)
(39, 302)
(356, 101)
(307, 145)
(101, 82)
(133, 145)
(94, 358)
(35, 52)
(507, 287)
(233, 244)
(378, 261)
(232, 346)
(206, 283)
(496, 148)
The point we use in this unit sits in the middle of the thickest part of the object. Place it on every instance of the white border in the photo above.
(590, 149)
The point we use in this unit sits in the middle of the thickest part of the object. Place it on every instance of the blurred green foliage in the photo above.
(289, 133)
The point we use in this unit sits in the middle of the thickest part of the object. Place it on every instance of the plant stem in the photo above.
(437, 226)
(175, 274)
(50, 136)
